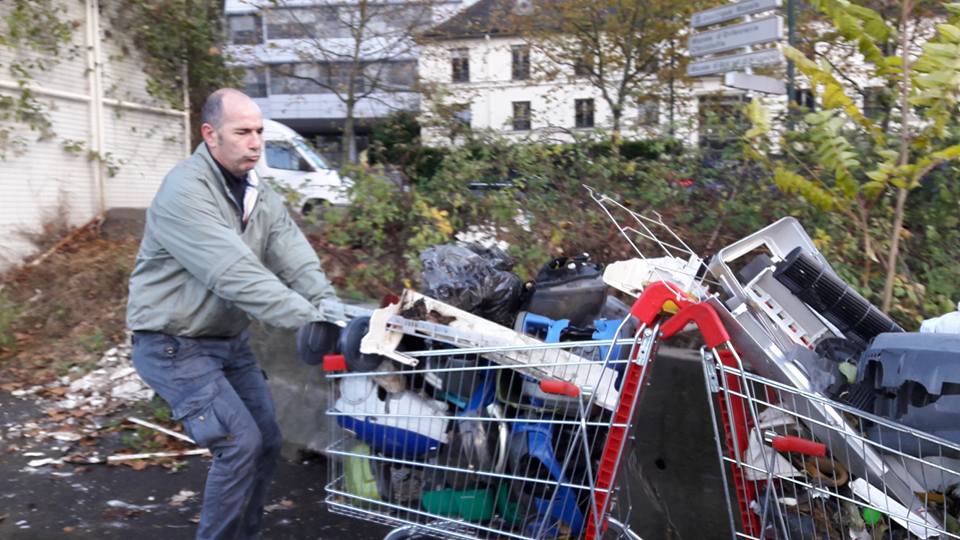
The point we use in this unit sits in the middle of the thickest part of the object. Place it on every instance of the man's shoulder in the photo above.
(192, 176)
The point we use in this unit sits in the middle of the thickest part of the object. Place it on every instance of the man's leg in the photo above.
(248, 380)
(189, 375)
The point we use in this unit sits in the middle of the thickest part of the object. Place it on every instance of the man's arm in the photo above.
(293, 259)
(190, 227)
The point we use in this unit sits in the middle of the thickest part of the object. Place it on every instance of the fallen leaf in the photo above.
(138, 465)
(68, 529)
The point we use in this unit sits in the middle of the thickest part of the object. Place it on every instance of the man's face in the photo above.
(237, 144)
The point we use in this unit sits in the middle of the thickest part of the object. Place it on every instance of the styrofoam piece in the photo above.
(772, 417)
(465, 329)
(944, 324)
(632, 275)
(919, 522)
(405, 410)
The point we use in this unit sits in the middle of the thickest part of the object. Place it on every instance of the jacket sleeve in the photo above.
(291, 257)
(192, 230)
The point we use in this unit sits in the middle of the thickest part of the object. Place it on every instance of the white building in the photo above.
(295, 53)
(110, 142)
(489, 76)
(486, 75)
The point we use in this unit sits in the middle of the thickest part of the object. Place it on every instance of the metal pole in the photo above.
(791, 40)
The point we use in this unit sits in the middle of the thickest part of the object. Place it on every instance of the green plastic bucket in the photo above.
(470, 505)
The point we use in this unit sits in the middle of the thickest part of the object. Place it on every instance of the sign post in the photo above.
(706, 45)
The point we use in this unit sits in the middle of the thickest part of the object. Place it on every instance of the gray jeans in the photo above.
(216, 388)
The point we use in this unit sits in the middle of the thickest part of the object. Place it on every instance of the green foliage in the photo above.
(839, 160)
(9, 312)
(179, 38)
(93, 342)
(395, 139)
(539, 205)
(38, 35)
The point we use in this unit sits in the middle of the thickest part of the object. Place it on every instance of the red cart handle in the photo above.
(789, 443)
(560, 388)
(652, 300)
(707, 320)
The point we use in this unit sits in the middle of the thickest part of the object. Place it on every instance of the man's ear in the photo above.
(209, 135)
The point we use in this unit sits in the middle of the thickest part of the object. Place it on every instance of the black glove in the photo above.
(316, 340)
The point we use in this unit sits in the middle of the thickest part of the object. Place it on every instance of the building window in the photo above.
(652, 66)
(722, 121)
(460, 65)
(648, 110)
(875, 100)
(583, 66)
(521, 115)
(521, 62)
(295, 79)
(805, 99)
(245, 29)
(583, 113)
(462, 114)
(255, 81)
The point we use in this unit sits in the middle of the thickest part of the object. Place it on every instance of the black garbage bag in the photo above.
(477, 280)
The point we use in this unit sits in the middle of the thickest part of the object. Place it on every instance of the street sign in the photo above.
(766, 57)
(755, 83)
(732, 11)
(736, 36)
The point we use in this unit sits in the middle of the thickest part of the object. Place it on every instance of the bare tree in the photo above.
(359, 52)
(623, 48)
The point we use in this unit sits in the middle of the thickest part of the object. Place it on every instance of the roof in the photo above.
(501, 18)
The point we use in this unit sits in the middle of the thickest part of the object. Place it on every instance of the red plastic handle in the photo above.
(334, 362)
(709, 323)
(651, 301)
(789, 443)
(560, 388)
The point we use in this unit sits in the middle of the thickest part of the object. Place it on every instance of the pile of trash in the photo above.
(834, 420)
(112, 385)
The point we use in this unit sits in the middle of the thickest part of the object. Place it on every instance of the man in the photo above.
(219, 247)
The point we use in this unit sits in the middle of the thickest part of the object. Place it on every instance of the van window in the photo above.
(282, 155)
(311, 154)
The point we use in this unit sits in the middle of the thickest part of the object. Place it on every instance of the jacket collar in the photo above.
(254, 186)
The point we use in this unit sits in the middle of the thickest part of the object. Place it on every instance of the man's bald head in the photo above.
(213, 108)
(232, 127)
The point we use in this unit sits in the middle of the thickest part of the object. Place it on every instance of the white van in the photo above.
(289, 161)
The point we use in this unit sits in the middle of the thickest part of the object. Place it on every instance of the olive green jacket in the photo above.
(201, 272)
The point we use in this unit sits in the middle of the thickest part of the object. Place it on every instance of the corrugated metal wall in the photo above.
(97, 100)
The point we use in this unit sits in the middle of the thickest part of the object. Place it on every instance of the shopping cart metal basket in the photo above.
(778, 452)
(435, 446)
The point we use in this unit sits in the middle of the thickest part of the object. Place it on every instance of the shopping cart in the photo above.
(779, 455)
(493, 441)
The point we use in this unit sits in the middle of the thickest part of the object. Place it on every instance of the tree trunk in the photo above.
(902, 192)
(349, 141)
(894, 248)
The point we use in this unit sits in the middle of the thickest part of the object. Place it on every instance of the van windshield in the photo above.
(311, 154)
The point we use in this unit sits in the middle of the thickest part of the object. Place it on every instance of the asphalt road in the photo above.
(117, 502)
